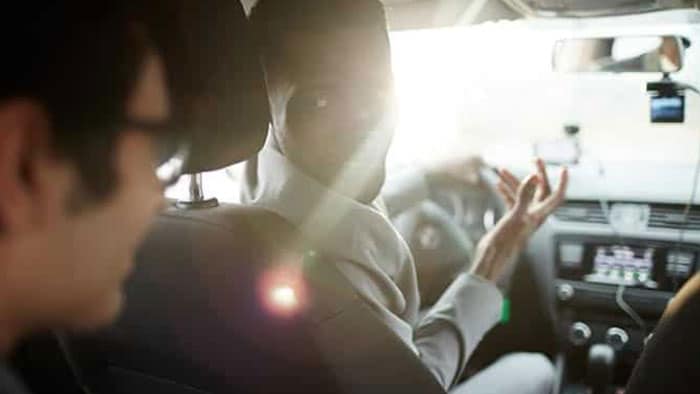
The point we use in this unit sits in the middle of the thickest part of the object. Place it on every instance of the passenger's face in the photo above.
(333, 106)
(74, 263)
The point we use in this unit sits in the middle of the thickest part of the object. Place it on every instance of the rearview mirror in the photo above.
(633, 54)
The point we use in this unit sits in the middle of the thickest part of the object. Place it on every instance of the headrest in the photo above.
(215, 78)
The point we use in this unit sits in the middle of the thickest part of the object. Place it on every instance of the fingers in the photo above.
(545, 190)
(510, 188)
(509, 180)
(552, 202)
(507, 194)
(525, 194)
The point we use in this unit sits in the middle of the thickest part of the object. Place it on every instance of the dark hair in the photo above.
(273, 19)
(79, 60)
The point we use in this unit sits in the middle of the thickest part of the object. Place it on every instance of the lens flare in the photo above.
(284, 297)
(282, 288)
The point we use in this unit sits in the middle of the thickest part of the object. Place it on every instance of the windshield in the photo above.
(491, 89)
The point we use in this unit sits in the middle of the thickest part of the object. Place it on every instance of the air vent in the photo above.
(581, 212)
(672, 216)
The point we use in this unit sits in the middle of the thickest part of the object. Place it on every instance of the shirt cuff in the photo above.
(473, 304)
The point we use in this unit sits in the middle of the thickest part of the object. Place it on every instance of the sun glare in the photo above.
(284, 297)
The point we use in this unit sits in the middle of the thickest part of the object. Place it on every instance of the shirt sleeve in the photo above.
(405, 190)
(450, 332)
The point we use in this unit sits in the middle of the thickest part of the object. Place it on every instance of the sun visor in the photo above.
(215, 78)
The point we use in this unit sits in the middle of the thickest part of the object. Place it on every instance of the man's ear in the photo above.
(23, 138)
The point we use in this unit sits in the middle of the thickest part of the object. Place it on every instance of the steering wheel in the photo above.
(443, 231)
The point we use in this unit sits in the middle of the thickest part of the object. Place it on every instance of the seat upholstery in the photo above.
(195, 314)
(196, 319)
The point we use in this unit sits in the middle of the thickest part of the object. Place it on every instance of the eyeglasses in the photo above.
(172, 149)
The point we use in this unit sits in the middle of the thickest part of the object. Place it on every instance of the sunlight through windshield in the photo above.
(490, 89)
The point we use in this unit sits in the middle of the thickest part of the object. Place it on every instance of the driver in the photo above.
(329, 84)
(83, 110)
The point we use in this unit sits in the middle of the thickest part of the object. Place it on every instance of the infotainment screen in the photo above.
(652, 265)
(623, 265)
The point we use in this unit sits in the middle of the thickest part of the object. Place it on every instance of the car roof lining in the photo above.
(424, 14)
(594, 8)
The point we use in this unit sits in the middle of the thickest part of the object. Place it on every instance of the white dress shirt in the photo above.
(373, 256)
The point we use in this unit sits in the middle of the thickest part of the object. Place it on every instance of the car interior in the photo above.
(604, 87)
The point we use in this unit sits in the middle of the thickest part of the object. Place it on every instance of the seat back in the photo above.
(196, 319)
(194, 316)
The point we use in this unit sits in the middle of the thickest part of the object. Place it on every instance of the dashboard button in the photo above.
(565, 292)
(579, 333)
(617, 338)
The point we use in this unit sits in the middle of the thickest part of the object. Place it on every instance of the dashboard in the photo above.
(612, 269)
(613, 256)
(608, 262)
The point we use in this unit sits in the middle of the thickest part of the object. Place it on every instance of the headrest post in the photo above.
(196, 198)
(196, 191)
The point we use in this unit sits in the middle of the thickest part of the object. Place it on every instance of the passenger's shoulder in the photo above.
(9, 384)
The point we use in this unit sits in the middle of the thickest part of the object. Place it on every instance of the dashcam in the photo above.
(667, 101)
(668, 109)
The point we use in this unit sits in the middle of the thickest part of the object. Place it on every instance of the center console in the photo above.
(601, 282)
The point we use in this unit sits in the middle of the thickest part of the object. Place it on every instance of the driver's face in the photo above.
(333, 106)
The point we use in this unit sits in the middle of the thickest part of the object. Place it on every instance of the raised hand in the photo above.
(529, 204)
(543, 202)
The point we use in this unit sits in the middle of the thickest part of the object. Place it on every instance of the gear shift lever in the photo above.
(601, 368)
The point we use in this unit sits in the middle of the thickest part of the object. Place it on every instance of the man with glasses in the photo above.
(329, 83)
(85, 152)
